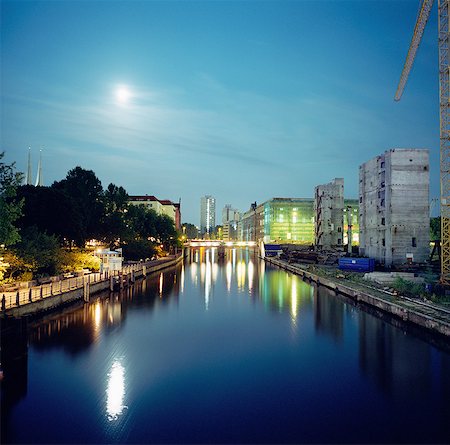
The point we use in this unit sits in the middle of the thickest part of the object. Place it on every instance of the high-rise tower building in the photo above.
(207, 214)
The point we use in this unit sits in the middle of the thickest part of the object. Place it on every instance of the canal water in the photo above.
(222, 350)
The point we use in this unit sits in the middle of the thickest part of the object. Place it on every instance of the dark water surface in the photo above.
(222, 350)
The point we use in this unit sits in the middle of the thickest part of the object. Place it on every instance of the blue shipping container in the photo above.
(357, 264)
(272, 249)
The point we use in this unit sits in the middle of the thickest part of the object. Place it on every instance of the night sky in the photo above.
(243, 100)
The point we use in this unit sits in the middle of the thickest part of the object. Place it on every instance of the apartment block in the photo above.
(394, 207)
(160, 206)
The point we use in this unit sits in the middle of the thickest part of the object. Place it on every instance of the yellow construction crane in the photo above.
(443, 43)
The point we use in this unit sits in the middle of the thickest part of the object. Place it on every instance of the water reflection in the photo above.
(251, 272)
(244, 297)
(282, 292)
(329, 313)
(115, 392)
(161, 283)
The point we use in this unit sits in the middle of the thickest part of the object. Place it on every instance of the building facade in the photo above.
(161, 207)
(394, 207)
(288, 221)
(230, 221)
(280, 220)
(207, 215)
(230, 214)
(329, 215)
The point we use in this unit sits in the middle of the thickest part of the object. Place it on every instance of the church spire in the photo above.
(29, 174)
(39, 180)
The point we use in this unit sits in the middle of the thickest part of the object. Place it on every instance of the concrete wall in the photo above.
(54, 301)
(329, 214)
(394, 207)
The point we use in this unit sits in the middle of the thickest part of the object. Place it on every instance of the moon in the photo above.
(123, 94)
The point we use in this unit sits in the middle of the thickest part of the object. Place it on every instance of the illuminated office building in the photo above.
(282, 220)
(287, 221)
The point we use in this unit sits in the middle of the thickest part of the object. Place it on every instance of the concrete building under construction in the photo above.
(394, 207)
(329, 215)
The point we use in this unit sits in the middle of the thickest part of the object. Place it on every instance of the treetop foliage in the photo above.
(10, 209)
(69, 213)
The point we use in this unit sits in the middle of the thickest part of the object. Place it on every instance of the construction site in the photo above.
(392, 215)
(389, 223)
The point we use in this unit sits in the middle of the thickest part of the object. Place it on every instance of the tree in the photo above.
(10, 208)
(190, 230)
(76, 260)
(39, 252)
(165, 230)
(141, 223)
(141, 249)
(116, 206)
(116, 199)
(43, 208)
(85, 191)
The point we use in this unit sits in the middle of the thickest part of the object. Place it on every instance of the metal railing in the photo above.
(12, 299)
(29, 295)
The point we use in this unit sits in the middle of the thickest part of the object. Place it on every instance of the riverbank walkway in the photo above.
(425, 314)
(27, 300)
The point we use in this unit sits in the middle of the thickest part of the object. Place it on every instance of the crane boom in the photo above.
(421, 22)
(444, 135)
(444, 114)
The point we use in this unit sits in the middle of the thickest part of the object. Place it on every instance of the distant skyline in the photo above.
(242, 100)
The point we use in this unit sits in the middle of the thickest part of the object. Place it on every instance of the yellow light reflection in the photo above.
(97, 316)
(193, 271)
(240, 272)
(115, 392)
(161, 282)
(294, 300)
(182, 278)
(229, 274)
(208, 280)
(250, 275)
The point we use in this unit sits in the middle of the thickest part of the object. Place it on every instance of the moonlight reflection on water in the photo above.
(115, 392)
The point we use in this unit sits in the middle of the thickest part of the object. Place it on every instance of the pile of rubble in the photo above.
(307, 255)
